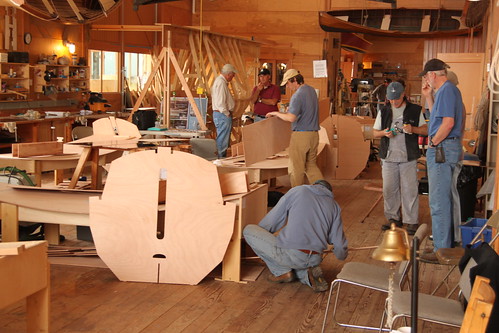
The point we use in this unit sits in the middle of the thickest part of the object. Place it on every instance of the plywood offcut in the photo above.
(197, 224)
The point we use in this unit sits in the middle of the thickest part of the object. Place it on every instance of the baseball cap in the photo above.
(433, 65)
(394, 90)
(264, 71)
(324, 183)
(228, 68)
(290, 73)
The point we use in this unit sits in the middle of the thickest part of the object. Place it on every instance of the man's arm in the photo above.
(337, 238)
(284, 116)
(443, 131)
(276, 218)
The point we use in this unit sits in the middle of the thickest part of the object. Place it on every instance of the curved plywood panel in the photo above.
(128, 229)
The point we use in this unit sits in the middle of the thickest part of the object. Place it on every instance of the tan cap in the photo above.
(290, 73)
(228, 68)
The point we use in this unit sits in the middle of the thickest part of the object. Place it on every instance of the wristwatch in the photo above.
(259, 99)
(432, 145)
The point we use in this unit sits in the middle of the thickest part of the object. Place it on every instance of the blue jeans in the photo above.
(279, 260)
(224, 127)
(442, 189)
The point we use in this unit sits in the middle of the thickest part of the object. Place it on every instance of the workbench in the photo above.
(37, 164)
(55, 207)
(28, 278)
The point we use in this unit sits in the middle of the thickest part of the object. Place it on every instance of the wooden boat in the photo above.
(329, 22)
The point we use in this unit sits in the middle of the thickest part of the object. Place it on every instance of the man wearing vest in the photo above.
(398, 125)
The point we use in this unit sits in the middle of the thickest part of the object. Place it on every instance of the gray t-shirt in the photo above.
(305, 106)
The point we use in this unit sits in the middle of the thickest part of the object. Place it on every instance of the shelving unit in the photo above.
(378, 74)
(492, 144)
(64, 78)
(14, 79)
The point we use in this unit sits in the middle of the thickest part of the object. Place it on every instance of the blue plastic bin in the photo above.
(471, 228)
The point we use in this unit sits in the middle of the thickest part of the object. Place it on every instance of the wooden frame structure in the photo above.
(197, 57)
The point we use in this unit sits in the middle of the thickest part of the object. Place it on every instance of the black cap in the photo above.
(433, 65)
(264, 71)
(324, 183)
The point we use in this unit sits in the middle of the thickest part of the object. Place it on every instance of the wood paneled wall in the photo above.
(289, 29)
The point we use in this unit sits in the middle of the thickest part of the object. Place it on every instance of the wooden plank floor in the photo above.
(85, 299)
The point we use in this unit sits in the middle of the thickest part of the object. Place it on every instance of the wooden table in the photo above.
(38, 164)
(258, 172)
(28, 278)
(54, 207)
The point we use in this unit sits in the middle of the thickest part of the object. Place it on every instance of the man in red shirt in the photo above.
(265, 96)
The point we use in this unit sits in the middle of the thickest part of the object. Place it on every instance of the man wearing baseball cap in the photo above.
(223, 104)
(264, 96)
(398, 124)
(445, 132)
(303, 113)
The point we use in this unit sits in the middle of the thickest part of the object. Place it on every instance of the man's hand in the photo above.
(260, 86)
(389, 133)
(408, 128)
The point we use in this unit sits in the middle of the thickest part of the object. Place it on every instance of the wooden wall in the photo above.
(289, 29)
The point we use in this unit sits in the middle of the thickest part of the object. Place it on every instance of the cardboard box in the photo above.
(471, 228)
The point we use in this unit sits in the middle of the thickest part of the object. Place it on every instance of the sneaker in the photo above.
(388, 225)
(411, 228)
(284, 278)
(317, 280)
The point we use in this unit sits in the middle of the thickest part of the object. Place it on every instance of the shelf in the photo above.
(76, 78)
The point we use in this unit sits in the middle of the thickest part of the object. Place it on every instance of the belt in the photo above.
(451, 138)
(259, 115)
(308, 251)
(304, 130)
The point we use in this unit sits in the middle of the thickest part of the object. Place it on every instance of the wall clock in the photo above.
(27, 38)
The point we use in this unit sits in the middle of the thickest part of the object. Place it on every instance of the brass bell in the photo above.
(394, 246)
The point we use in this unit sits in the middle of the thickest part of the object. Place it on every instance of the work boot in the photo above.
(388, 225)
(317, 280)
(411, 228)
(284, 278)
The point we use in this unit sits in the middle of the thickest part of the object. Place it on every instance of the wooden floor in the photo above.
(88, 300)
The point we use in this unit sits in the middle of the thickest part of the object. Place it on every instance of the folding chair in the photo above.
(371, 277)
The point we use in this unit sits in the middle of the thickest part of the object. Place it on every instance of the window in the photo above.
(104, 69)
(137, 69)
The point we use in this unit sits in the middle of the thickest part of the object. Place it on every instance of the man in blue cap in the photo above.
(264, 96)
(398, 125)
(308, 219)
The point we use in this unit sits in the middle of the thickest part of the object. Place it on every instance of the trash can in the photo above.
(467, 183)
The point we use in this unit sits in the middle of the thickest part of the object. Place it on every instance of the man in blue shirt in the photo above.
(445, 133)
(303, 113)
(308, 219)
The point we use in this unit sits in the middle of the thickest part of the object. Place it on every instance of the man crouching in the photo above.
(313, 221)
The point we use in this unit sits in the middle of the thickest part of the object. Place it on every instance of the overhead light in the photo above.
(71, 46)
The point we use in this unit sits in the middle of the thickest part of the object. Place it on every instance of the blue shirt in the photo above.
(313, 221)
(305, 106)
(448, 103)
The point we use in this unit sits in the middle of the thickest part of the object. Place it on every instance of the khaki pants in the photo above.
(303, 158)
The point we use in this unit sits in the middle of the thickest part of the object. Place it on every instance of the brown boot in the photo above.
(284, 278)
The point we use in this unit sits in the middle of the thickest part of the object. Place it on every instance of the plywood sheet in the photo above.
(197, 224)
(265, 138)
(348, 152)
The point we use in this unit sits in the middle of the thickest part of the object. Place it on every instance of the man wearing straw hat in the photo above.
(303, 113)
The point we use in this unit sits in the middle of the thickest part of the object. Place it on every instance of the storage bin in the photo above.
(471, 228)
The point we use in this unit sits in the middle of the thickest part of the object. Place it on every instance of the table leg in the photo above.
(58, 176)
(10, 223)
(52, 233)
(38, 174)
(79, 167)
(38, 309)
(96, 174)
